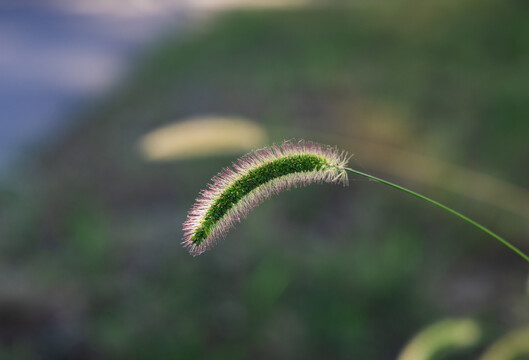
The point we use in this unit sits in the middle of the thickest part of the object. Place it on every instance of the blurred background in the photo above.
(115, 114)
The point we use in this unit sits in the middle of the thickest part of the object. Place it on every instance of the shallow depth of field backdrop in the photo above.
(433, 95)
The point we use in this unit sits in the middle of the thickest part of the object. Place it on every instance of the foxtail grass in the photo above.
(270, 170)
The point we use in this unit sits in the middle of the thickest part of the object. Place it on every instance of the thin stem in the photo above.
(446, 208)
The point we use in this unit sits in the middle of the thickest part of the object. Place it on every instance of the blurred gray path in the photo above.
(55, 56)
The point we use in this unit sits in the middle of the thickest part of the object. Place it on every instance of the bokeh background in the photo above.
(115, 114)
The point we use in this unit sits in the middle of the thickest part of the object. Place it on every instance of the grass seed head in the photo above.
(255, 177)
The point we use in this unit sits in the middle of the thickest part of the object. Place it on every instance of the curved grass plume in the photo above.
(255, 177)
(444, 335)
(202, 136)
(258, 175)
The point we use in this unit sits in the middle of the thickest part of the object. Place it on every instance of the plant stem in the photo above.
(446, 208)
